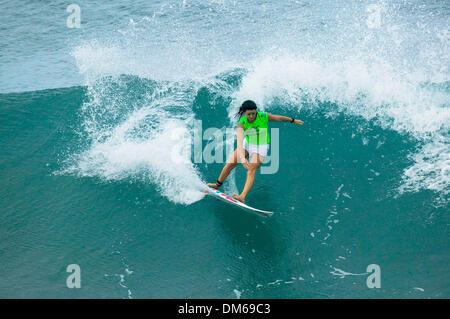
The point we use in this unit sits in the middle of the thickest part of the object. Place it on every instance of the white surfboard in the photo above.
(230, 200)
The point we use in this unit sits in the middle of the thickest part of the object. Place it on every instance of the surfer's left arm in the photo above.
(281, 118)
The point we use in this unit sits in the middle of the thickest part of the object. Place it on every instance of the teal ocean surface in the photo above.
(90, 118)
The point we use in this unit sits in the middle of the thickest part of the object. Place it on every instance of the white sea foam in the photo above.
(342, 273)
(147, 142)
(118, 158)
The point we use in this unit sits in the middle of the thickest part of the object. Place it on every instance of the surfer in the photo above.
(252, 141)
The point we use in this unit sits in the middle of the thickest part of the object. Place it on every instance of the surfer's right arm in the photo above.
(240, 147)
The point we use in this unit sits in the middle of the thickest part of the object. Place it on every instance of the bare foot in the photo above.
(239, 198)
(213, 185)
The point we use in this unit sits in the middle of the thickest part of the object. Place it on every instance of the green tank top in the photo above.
(257, 132)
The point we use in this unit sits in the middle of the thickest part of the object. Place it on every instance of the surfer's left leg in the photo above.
(229, 166)
(255, 162)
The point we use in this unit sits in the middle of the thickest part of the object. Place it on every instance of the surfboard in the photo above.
(230, 200)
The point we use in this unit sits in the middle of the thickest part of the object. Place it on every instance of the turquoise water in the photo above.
(86, 132)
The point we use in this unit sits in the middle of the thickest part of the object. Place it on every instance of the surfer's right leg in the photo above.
(226, 170)
(255, 162)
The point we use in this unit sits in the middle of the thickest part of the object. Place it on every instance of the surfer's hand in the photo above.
(299, 122)
(245, 163)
